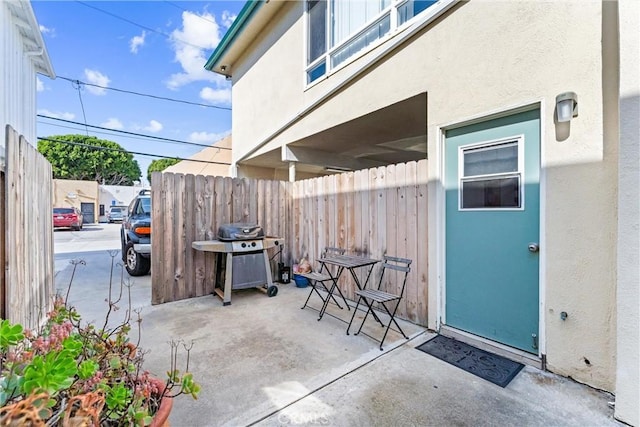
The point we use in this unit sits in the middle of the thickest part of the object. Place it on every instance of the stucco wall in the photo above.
(213, 161)
(628, 377)
(482, 57)
(70, 193)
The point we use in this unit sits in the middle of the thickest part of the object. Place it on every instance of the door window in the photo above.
(490, 175)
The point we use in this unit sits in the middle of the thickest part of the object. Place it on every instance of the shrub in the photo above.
(70, 373)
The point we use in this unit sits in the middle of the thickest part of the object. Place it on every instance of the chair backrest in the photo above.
(396, 264)
(329, 250)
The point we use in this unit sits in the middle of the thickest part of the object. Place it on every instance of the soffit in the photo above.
(394, 134)
(31, 36)
(241, 41)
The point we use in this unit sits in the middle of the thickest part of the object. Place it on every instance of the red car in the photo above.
(67, 217)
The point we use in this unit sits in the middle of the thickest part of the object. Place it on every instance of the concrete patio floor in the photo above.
(264, 361)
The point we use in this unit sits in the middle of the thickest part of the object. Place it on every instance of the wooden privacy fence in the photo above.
(187, 208)
(374, 212)
(27, 287)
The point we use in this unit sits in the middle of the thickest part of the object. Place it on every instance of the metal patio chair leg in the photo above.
(371, 296)
(319, 279)
(355, 310)
(313, 289)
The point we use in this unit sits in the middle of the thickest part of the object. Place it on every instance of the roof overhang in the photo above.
(393, 134)
(32, 40)
(253, 17)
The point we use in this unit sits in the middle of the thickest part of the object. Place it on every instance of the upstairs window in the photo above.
(411, 8)
(317, 40)
(339, 29)
(317, 13)
(352, 15)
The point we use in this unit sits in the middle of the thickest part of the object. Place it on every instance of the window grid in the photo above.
(387, 21)
(500, 190)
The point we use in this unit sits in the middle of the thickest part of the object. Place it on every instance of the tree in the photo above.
(73, 157)
(160, 165)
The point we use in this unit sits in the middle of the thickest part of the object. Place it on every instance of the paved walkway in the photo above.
(264, 361)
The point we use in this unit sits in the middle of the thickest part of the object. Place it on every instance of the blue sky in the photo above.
(163, 55)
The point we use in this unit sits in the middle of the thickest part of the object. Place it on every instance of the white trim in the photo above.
(441, 211)
(495, 113)
(520, 173)
(542, 241)
(495, 347)
(305, 45)
(441, 221)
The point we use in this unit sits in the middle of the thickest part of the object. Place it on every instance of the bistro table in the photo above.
(350, 263)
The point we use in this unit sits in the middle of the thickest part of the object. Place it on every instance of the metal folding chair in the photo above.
(370, 296)
(324, 281)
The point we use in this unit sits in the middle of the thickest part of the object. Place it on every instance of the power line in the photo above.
(139, 25)
(133, 133)
(79, 88)
(93, 131)
(100, 148)
(185, 10)
(79, 82)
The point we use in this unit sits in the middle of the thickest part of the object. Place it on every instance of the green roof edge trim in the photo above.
(235, 29)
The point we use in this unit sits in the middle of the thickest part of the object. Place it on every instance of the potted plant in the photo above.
(75, 374)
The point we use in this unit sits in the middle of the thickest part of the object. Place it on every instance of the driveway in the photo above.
(264, 361)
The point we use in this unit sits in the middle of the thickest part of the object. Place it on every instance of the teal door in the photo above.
(492, 197)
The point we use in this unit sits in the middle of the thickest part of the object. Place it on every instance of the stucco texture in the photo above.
(480, 58)
(628, 321)
(70, 193)
(212, 161)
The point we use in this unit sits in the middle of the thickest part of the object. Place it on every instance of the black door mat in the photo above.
(488, 366)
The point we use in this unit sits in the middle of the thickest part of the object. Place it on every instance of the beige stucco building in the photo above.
(92, 198)
(83, 195)
(213, 161)
(474, 87)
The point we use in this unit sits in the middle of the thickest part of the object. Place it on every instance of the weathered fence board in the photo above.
(27, 233)
(187, 208)
(369, 212)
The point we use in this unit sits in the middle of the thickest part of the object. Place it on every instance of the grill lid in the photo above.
(240, 231)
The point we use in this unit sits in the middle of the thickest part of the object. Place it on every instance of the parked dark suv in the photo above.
(135, 235)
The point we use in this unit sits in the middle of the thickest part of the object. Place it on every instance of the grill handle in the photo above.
(252, 235)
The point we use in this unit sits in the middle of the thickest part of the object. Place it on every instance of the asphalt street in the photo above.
(98, 247)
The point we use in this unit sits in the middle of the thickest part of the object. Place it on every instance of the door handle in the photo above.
(533, 247)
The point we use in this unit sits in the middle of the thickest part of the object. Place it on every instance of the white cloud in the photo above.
(96, 78)
(153, 126)
(216, 96)
(113, 123)
(190, 44)
(39, 85)
(228, 18)
(137, 41)
(65, 115)
(206, 137)
(50, 31)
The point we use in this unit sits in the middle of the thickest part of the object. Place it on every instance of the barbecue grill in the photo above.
(242, 260)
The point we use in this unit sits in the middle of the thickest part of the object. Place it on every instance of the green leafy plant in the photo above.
(70, 373)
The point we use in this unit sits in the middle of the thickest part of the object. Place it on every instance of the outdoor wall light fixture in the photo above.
(566, 106)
